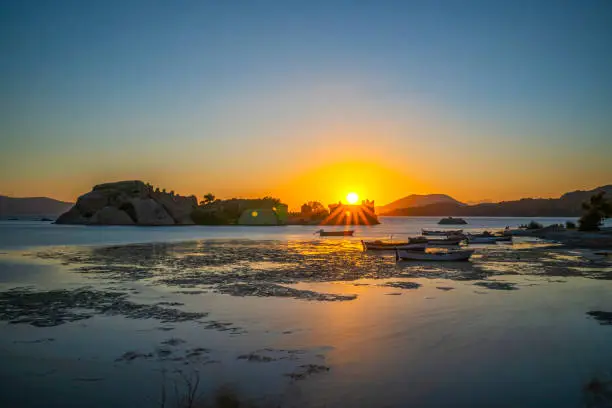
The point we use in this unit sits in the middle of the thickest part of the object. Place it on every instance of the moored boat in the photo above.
(449, 255)
(345, 233)
(452, 221)
(450, 241)
(411, 244)
(441, 233)
(487, 238)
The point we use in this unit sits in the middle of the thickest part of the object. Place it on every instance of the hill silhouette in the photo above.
(418, 200)
(31, 206)
(568, 205)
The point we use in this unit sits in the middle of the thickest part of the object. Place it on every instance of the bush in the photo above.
(532, 225)
(570, 225)
(595, 211)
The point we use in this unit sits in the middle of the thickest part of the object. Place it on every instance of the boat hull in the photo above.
(336, 233)
(450, 256)
(388, 246)
(488, 239)
(441, 233)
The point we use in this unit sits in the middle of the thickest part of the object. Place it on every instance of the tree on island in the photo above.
(208, 198)
(313, 208)
(596, 210)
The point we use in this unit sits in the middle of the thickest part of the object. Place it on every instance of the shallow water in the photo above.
(21, 234)
(508, 329)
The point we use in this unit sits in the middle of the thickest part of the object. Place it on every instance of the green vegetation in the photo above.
(596, 210)
(311, 212)
(208, 198)
(532, 225)
(212, 211)
(570, 225)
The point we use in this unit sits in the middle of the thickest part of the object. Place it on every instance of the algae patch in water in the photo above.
(263, 289)
(497, 285)
(403, 285)
(604, 318)
(56, 307)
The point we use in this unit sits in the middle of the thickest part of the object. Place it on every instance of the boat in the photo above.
(441, 233)
(449, 241)
(411, 244)
(487, 238)
(449, 255)
(452, 221)
(345, 233)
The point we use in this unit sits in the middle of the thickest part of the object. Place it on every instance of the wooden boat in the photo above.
(386, 246)
(441, 233)
(487, 238)
(450, 255)
(450, 241)
(452, 221)
(345, 233)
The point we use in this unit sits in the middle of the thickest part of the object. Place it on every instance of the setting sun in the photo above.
(352, 198)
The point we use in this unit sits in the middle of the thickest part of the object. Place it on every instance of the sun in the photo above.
(352, 198)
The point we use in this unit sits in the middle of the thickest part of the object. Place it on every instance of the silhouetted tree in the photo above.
(208, 198)
(595, 211)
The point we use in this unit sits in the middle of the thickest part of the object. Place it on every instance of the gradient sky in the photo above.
(307, 100)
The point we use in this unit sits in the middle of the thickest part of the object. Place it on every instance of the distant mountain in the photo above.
(418, 200)
(568, 205)
(31, 206)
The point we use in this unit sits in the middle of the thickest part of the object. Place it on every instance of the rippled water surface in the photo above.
(108, 316)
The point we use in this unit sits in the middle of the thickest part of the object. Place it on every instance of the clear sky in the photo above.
(307, 100)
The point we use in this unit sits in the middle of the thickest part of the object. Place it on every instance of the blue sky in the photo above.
(241, 97)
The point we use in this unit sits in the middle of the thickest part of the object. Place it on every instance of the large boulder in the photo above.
(130, 202)
(111, 216)
(92, 202)
(149, 212)
(179, 208)
(72, 216)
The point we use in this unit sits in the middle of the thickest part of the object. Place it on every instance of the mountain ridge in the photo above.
(567, 205)
(31, 206)
(417, 200)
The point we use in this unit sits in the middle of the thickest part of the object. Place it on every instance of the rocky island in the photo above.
(130, 203)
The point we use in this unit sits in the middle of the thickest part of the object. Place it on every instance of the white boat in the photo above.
(450, 255)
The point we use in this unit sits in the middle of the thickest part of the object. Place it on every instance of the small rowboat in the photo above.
(441, 233)
(451, 241)
(487, 238)
(346, 233)
(386, 246)
(451, 255)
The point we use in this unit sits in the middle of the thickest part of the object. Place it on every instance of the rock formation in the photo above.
(130, 203)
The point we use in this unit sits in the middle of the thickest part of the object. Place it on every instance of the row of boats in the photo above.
(446, 247)
(442, 249)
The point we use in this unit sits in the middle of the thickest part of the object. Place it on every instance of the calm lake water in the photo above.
(20, 234)
(508, 329)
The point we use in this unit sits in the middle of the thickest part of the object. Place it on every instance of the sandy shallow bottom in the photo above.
(304, 323)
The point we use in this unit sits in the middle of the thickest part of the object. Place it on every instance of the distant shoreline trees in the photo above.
(596, 210)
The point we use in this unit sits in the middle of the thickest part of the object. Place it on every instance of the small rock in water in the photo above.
(445, 288)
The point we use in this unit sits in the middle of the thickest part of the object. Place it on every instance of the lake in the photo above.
(111, 316)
